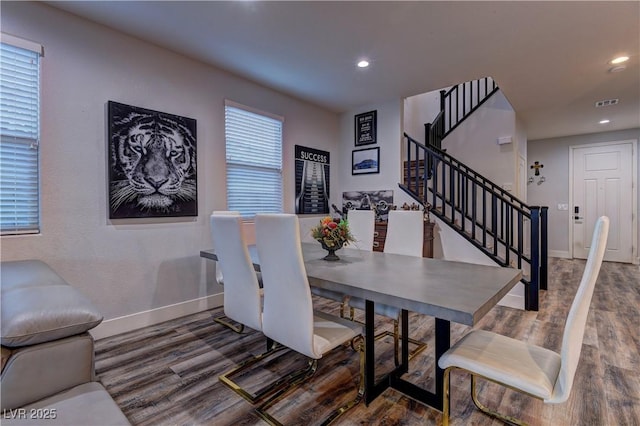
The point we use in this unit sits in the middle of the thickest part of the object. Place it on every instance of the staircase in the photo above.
(498, 224)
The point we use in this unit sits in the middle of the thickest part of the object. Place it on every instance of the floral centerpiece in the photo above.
(332, 234)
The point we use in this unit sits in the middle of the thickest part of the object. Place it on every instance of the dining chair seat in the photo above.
(514, 363)
(525, 367)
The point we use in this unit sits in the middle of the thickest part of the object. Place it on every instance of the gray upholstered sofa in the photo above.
(48, 374)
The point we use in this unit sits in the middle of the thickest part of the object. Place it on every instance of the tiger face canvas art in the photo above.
(152, 166)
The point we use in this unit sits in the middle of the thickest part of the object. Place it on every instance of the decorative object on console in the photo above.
(426, 207)
(366, 128)
(381, 201)
(332, 234)
(312, 180)
(152, 163)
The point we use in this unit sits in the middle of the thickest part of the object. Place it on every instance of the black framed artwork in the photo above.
(366, 128)
(365, 161)
(312, 180)
(152, 163)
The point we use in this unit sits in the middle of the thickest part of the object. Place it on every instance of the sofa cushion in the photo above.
(87, 404)
(33, 314)
(28, 273)
(39, 371)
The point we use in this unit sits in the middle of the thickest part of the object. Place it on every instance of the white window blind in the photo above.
(254, 161)
(19, 137)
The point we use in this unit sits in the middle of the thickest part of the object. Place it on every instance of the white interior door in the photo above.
(522, 178)
(602, 185)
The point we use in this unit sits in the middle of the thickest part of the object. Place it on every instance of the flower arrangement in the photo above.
(332, 233)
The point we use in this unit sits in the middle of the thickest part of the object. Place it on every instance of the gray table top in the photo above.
(454, 291)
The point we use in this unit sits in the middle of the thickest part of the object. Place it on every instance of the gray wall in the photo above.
(554, 154)
(134, 266)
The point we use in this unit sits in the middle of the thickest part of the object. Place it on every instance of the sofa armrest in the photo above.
(35, 372)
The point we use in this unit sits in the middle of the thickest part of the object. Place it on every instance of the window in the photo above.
(19, 136)
(254, 160)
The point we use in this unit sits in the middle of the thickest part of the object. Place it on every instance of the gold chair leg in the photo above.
(343, 308)
(489, 411)
(359, 346)
(262, 410)
(237, 328)
(420, 346)
(225, 378)
(285, 386)
(445, 404)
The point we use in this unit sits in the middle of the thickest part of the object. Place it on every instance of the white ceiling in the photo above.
(549, 58)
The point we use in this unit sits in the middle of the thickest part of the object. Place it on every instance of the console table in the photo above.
(380, 234)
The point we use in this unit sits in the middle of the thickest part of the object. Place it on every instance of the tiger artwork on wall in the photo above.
(152, 170)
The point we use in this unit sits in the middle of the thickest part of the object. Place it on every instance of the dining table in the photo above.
(449, 291)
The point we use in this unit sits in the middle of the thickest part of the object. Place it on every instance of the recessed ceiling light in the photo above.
(604, 121)
(619, 60)
(363, 63)
(617, 68)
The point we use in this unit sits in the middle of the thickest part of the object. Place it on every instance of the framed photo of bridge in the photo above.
(365, 161)
(366, 128)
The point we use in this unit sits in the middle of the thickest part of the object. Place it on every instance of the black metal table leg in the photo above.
(443, 343)
(370, 362)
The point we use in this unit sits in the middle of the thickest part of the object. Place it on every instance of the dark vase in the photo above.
(332, 256)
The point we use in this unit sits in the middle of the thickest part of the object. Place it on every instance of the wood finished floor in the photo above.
(167, 374)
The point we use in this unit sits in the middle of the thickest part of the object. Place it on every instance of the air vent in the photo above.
(606, 102)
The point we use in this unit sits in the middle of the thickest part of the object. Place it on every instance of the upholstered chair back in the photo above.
(219, 277)
(577, 318)
(361, 224)
(242, 298)
(405, 231)
(288, 307)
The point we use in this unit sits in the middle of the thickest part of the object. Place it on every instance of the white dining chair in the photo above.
(242, 294)
(288, 315)
(524, 367)
(402, 227)
(361, 225)
(243, 298)
(405, 232)
(219, 266)
(219, 277)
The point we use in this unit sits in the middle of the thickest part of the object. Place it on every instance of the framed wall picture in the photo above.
(366, 127)
(381, 200)
(312, 180)
(152, 163)
(365, 161)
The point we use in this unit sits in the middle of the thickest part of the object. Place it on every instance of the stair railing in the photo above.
(462, 100)
(482, 212)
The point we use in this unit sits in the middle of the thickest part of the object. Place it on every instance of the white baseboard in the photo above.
(562, 254)
(138, 320)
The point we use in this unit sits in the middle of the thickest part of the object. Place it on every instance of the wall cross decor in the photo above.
(537, 166)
